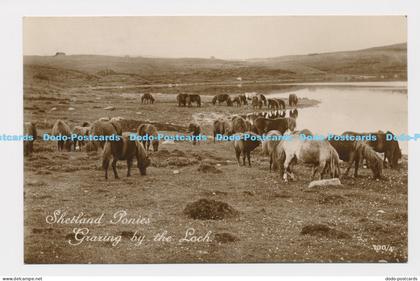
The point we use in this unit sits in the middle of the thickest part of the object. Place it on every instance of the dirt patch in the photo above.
(214, 193)
(208, 209)
(207, 168)
(127, 234)
(323, 231)
(225, 237)
(282, 194)
(162, 153)
(332, 199)
(180, 161)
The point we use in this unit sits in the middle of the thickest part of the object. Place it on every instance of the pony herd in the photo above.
(257, 100)
(324, 154)
(283, 155)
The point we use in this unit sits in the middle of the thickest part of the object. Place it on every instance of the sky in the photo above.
(222, 37)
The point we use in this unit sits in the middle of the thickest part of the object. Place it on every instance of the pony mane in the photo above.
(374, 161)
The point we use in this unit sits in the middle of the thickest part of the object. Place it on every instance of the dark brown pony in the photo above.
(281, 103)
(293, 100)
(352, 151)
(124, 149)
(243, 99)
(147, 98)
(263, 125)
(347, 152)
(237, 100)
(193, 98)
(272, 103)
(195, 130)
(244, 148)
(182, 99)
(220, 98)
(391, 149)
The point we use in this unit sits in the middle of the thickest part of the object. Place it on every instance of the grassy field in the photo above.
(363, 221)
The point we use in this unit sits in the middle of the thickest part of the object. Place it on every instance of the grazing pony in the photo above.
(182, 99)
(61, 129)
(244, 147)
(237, 100)
(124, 149)
(105, 128)
(195, 131)
(346, 152)
(221, 98)
(262, 98)
(220, 127)
(151, 131)
(147, 98)
(320, 154)
(365, 151)
(239, 125)
(264, 125)
(391, 148)
(272, 103)
(80, 131)
(282, 103)
(243, 99)
(193, 98)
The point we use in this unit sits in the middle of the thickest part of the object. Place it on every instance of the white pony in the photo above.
(320, 153)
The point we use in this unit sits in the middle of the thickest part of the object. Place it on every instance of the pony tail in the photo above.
(333, 163)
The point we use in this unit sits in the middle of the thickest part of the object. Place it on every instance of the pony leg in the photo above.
(386, 156)
(129, 165)
(243, 157)
(314, 170)
(238, 155)
(114, 168)
(286, 169)
(248, 155)
(349, 164)
(321, 168)
(105, 165)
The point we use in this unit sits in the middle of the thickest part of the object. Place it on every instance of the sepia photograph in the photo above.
(215, 139)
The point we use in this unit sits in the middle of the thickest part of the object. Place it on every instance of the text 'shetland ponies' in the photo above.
(82, 233)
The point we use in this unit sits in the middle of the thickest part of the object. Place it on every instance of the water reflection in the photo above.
(353, 108)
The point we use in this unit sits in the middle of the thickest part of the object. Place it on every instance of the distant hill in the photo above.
(387, 62)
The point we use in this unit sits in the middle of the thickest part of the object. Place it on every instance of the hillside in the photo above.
(379, 63)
